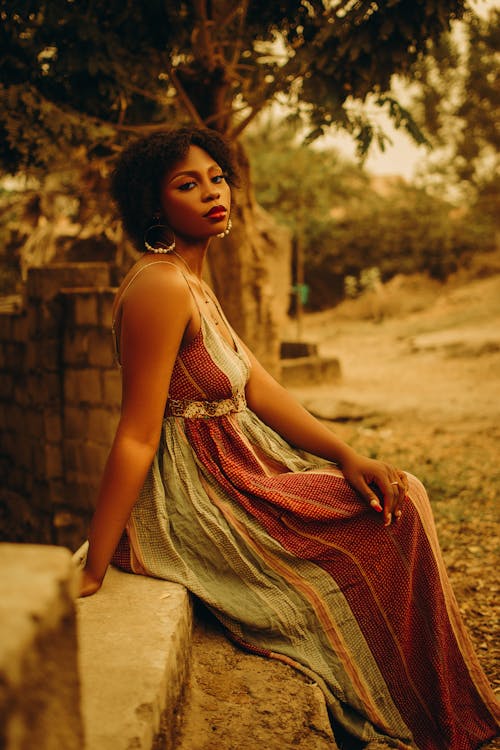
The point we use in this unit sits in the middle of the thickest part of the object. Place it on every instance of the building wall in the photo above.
(59, 403)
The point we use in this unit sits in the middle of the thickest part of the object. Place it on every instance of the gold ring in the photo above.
(395, 483)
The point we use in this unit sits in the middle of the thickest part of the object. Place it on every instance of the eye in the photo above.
(187, 186)
(218, 178)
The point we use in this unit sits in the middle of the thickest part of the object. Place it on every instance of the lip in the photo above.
(217, 212)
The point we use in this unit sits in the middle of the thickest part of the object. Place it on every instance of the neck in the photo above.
(192, 256)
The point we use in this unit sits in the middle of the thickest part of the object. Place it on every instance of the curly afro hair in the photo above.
(136, 180)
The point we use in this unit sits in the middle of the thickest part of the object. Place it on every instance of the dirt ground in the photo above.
(420, 388)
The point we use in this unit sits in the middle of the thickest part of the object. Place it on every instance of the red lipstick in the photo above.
(217, 212)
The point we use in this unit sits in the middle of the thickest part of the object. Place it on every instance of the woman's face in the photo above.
(195, 196)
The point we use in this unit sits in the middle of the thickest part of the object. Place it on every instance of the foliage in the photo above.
(93, 73)
(458, 106)
(349, 225)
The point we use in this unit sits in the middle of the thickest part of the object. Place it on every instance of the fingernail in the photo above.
(375, 504)
(389, 519)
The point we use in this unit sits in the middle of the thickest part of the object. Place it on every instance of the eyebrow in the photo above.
(193, 172)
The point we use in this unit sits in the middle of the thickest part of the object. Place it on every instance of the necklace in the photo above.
(206, 298)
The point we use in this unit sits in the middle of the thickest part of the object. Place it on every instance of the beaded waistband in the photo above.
(205, 409)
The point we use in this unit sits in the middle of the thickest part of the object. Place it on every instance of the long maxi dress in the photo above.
(296, 566)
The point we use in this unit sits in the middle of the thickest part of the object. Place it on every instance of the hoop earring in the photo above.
(226, 230)
(155, 242)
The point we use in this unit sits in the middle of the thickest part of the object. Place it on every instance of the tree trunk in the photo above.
(250, 273)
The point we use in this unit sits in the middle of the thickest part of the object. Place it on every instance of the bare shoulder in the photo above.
(154, 286)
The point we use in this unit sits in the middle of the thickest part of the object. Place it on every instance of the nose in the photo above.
(211, 192)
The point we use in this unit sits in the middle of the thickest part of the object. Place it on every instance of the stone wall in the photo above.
(59, 403)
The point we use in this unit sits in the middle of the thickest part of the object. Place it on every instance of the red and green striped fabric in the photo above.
(297, 567)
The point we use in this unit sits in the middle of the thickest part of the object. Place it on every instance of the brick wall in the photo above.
(59, 403)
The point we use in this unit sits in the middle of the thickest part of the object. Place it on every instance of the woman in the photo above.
(303, 549)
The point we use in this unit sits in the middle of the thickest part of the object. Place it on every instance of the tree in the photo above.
(350, 222)
(458, 105)
(95, 72)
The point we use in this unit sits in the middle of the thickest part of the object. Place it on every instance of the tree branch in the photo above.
(186, 101)
(243, 8)
(205, 37)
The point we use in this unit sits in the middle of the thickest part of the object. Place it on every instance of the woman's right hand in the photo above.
(89, 584)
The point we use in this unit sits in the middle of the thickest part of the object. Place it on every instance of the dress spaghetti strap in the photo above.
(128, 285)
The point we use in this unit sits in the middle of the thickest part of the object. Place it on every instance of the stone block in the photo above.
(101, 352)
(6, 322)
(39, 685)
(15, 417)
(106, 299)
(39, 470)
(22, 395)
(91, 459)
(294, 349)
(43, 388)
(34, 320)
(48, 320)
(6, 386)
(102, 425)
(152, 661)
(20, 327)
(70, 528)
(42, 319)
(24, 455)
(49, 355)
(31, 356)
(16, 477)
(14, 356)
(45, 283)
(309, 371)
(28, 484)
(7, 442)
(112, 388)
(53, 461)
(41, 499)
(83, 494)
(85, 459)
(20, 521)
(58, 492)
(34, 426)
(76, 347)
(82, 386)
(70, 454)
(52, 426)
(86, 309)
(75, 422)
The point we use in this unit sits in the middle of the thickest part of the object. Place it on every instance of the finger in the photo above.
(387, 494)
(403, 478)
(392, 499)
(398, 506)
(370, 493)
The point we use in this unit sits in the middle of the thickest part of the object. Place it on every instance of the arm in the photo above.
(148, 351)
(279, 410)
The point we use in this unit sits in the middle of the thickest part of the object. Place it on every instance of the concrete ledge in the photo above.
(309, 371)
(39, 689)
(135, 641)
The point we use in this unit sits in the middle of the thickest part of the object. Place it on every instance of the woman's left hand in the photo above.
(383, 486)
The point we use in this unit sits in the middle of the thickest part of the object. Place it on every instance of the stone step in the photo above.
(312, 370)
(235, 700)
(134, 650)
(39, 688)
